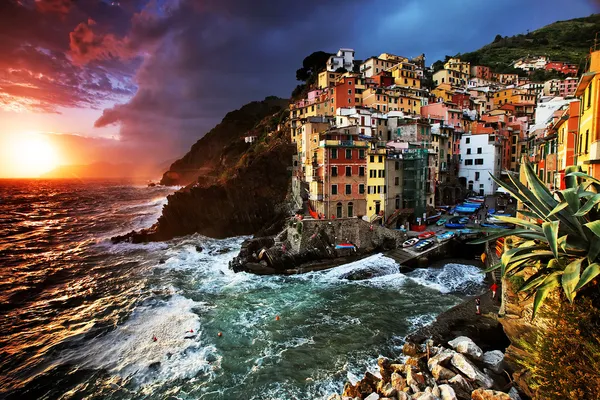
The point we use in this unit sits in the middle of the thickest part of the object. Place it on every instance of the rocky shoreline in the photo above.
(458, 369)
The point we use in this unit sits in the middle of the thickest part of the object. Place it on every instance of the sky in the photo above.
(141, 80)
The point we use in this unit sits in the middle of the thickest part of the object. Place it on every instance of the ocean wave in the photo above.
(451, 278)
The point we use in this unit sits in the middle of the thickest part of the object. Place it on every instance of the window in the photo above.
(479, 150)
(468, 151)
(334, 189)
(349, 82)
(348, 154)
(378, 189)
(333, 171)
(350, 210)
(348, 189)
(587, 136)
(349, 92)
(468, 140)
(334, 154)
(338, 210)
(476, 176)
(589, 99)
(361, 171)
(361, 188)
(380, 158)
(479, 161)
(469, 162)
(397, 165)
(397, 181)
(372, 158)
(348, 171)
(381, 173)
(372, 173)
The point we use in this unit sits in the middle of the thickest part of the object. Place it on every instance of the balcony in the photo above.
(443, 167)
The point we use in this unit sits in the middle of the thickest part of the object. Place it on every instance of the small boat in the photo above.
(345, 246)
(463, 220)
(426, 235)
(454, 223)
(465, 210)
(441, 222)
(466, 231)
(410, 242)
(476, 199)
(424, 245)
(445, 236)
(442, 208)
(452, 210)
(434, 218)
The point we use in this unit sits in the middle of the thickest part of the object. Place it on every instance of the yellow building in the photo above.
(391, 100)
(327, 79)
(444, 91)
(451, 77)
(588, 140)
(405, 75)
(513, 96)
(455, 64)
(376, 183)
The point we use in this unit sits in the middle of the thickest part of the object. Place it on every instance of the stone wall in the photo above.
(361, 233)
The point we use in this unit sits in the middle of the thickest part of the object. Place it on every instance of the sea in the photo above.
(82, 318)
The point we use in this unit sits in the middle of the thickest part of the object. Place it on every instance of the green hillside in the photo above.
(561, 41)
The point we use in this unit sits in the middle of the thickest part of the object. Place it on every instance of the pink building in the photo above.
(447, 112)
(567, 87)
(565, 68)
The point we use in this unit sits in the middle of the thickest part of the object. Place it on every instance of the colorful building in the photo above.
(343, 59)
(565, 68)
(376, 180)
(481, 72)
(588, 140)
(566, 130)
(567, 87)
(452, 77)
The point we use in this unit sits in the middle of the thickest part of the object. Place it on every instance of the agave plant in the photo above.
(558, 238)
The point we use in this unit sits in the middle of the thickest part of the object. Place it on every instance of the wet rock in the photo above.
(199, 248)
(415, 379)
(399, 368)
(368, 384)
(410, 349)
(482, 394)
(155, 366)
(403, 396)
(372, 396)
(442, 373)
(465, 345)
(447, 393)
(384, 368)
(494, 360)
(351, 390)
(466, 367)
(162, 261)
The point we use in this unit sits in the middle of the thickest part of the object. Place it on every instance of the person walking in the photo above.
(478, 306)
(494, 289)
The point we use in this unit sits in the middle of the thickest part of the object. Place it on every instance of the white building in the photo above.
(531, 63)
(343, 59)
(481, 155)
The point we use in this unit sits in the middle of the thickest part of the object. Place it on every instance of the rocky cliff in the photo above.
(222, 146)
(238, 188)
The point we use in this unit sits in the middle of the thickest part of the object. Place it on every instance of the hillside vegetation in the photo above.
(561, 41)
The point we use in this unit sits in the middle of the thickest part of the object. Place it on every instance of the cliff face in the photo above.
(241, 204)
(220, 148)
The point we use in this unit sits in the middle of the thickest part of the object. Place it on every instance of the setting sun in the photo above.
(31, 154)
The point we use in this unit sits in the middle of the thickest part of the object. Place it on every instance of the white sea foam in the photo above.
(451, 278)
(130, 352)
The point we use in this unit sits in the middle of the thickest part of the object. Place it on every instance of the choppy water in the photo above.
(77, 314)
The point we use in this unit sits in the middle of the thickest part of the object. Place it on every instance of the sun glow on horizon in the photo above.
(30, 155)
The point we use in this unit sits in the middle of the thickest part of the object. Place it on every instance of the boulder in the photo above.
(513, 393)
(414, 378)
(461, 387)
(442, 373)
(399, 368)
(335, 397)
(466, 367)
(388, 390)
(447, 393)
(494, 360)
(372, 396)
(435, 390)
(398, 382)
(441, 358)
(410, 349)
(368, 384)
(351, 390)
(403, 396)
(384, 368)
(483, 394)
(465, 345)
(424, 396)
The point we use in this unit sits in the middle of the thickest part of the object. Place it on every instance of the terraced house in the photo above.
(588, 140)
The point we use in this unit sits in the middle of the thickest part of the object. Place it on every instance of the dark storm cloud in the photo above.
(37, 68)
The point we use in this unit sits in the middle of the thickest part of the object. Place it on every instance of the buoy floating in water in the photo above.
(191, 331)
(154, 338)
(277, 318)
(219, 334)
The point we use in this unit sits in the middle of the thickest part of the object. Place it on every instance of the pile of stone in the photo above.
(429, 372)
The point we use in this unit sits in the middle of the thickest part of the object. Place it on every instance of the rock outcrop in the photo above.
(459, 376)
